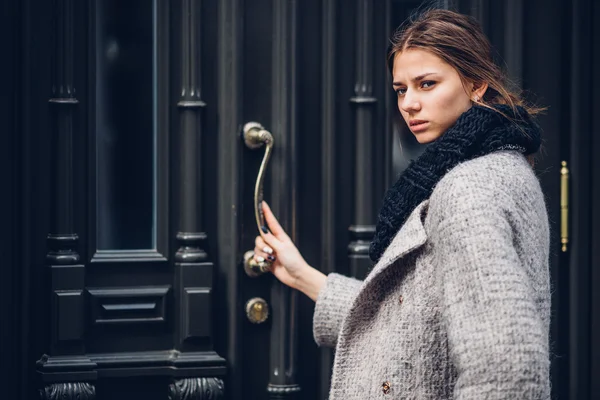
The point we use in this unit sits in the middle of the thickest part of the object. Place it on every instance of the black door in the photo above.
(130, 191)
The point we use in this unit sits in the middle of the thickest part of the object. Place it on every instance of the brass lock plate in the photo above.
(257, 310)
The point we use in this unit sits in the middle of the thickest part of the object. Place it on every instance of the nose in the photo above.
(409, 103)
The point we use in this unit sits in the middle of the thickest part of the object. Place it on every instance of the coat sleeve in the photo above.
(333, 303)
(497, 330)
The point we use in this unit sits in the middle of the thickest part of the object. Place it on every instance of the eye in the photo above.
(400, 91)
(427, 84)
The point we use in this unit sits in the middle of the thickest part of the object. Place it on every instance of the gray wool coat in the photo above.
(458, 307)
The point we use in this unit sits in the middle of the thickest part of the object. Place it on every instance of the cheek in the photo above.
(450, 105)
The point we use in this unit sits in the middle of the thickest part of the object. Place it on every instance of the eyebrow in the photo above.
(416, 78)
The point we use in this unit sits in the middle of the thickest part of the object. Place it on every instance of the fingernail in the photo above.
(271, 258)
(264, 229)
(260, 259)
(268, 250)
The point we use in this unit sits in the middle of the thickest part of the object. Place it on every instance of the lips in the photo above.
(417, 125)
(414, 122)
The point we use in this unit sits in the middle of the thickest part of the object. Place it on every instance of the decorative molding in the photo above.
(328, 158)
(191, 247)
(62, 249)
(329, 147)
(513, 39)
(62, 241)
(479, 10)
(193, 273)
(132, 305)
(363, 100)
(581, 115)
(68, 391)
(196, 304)
(67, 305)
(73, 368)
(114, 256)
(447, 4)
(166, 363)
(283, 389)
(391, 110)
(230, 59)
(193, 290)
(197, 389)
(284, 182)
(190, 237)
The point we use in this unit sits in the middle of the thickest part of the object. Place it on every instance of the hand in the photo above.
(287, 264)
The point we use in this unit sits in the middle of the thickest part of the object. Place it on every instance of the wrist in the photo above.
(310, 281)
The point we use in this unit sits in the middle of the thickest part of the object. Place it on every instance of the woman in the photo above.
(457, 305)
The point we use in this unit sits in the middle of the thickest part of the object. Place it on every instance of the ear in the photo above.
(478, 90)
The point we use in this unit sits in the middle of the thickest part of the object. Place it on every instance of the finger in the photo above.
(262, 249)
(267, 242)
(272, 222)
(262, 246)
(260, 256)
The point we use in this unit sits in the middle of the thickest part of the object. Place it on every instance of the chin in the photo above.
(426, 137)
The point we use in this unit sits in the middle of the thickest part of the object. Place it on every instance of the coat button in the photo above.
(386, 387)
(400, 299)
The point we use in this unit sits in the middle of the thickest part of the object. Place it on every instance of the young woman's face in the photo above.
(431, 95)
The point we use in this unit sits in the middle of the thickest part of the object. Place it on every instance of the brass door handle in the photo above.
(564, 206)
(255, 136)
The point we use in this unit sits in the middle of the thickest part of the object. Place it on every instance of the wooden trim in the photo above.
(595, 237)
(284, 180)
(581, 228)
(230, 90)
(362, 229)
(190, 105)
(328, 166)
(67, 275)
(513, 39)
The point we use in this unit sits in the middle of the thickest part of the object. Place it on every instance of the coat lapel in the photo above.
(410, 237)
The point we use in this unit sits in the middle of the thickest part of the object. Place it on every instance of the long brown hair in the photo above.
(459, 40)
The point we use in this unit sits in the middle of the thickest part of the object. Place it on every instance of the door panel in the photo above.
(156, 308)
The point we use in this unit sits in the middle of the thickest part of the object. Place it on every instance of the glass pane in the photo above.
(126, 124)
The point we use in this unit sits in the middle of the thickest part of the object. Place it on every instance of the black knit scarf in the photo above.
(477, 132)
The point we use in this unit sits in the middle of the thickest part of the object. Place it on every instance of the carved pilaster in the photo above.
(513, 39)
(67, 275)
(283, 392)
(361, 232)
(69, 391)
(190, 104)
(197, 389)
(193, 270)
(328, 165)
(230, 66)
(190, 131)
(284, 181)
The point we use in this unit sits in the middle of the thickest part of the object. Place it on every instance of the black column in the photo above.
(193, 271)
(66, 361)
(328, 162)
(228, 194)
(363, 228)
(283, 169)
